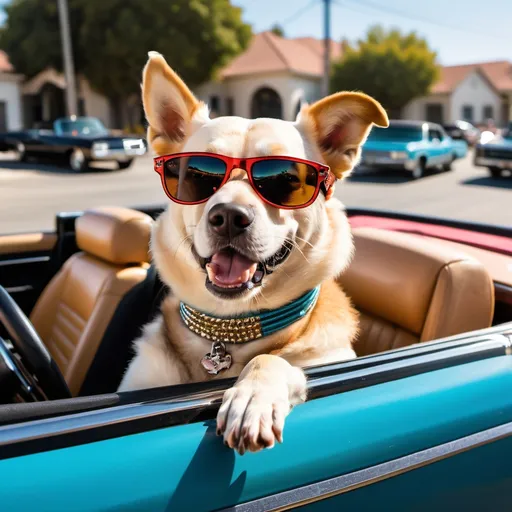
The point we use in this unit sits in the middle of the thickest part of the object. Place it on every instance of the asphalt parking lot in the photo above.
(31, 193)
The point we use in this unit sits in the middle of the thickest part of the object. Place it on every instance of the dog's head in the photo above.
(235, 246)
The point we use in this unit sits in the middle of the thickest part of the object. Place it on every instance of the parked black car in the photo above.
(76, 141)
(462, 130)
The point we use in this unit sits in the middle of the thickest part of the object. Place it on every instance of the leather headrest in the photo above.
(427, 288)
(115, 234)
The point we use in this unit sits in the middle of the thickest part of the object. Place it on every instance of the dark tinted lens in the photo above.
(285, 183)
(195, 178)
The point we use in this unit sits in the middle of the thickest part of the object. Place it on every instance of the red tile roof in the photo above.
(499, 74)
(5, 65)
(268, 52)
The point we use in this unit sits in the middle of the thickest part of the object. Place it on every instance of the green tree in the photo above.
(30, 35)
(111, 38)
(277, 30)
(392, 67)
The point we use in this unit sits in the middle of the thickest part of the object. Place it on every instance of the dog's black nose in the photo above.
(230, 220)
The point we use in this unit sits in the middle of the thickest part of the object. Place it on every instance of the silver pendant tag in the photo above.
(216, 360)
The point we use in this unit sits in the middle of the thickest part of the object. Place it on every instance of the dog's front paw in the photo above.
(252, 416)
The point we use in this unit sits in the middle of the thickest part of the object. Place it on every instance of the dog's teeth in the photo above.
(210, 272)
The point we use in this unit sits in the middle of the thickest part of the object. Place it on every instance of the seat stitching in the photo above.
(60, 318)
(63, 339)
(73, 314)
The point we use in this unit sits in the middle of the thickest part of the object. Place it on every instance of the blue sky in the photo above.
(461, 31)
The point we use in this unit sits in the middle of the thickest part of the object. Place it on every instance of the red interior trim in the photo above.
(494, 243)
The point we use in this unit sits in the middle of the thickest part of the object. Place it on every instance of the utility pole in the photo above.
(67, 53)
(327, 47)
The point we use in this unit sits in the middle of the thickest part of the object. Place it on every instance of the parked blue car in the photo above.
(412, 145)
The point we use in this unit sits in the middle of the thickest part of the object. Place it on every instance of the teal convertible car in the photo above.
(421, 420)
(414, 146)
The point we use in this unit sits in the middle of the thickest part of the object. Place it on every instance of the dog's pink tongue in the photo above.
(230, 268)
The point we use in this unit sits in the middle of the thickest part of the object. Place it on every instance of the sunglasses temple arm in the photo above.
(328, 181)
(158, 164)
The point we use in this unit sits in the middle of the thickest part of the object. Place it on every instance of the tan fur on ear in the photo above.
(340, 123)
(169, 105)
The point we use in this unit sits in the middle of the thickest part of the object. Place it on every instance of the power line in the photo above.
(406, 15)
(298, 13)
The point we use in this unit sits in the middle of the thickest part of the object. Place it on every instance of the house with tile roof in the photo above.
(275, 75)
(10, 96)
(41, 99)
(272, 78)
(471, 92)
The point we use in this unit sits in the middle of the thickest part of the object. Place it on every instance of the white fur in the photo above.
(253, 411)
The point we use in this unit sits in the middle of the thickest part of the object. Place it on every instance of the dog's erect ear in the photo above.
(171, 109)
(341, 122)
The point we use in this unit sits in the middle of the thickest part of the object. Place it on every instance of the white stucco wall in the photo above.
(290, 88)
(10, 93)
(474, 90)
(96, 105)
(416, 110)
(219, 89)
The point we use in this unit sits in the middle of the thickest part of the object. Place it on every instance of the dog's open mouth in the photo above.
(231, 273)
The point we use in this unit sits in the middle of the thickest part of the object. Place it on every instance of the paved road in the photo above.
(30, 194)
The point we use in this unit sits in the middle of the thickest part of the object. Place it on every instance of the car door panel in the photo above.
(435, 148)
(55, 145)
(446, 147)
(25, 263)
(34, 146)
(475, 480)
(187, 467)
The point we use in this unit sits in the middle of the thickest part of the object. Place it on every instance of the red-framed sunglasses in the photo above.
(281, 181)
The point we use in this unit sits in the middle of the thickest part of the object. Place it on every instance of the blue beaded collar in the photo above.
(251, 326)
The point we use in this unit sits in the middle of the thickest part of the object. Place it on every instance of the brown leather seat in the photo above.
(76, 307)
(409, 289)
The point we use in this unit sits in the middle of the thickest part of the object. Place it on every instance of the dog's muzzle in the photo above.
(231, 273)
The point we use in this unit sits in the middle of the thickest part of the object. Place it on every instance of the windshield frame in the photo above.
(398, 129)
(93, 122)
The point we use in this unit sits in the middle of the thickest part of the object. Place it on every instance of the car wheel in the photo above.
(419, 169)
(77, 160)
(125, 165)
(496, 172)
(22, 152)
(448, 165)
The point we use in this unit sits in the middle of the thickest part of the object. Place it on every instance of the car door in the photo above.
(435, 149)
(34, 143)
(446, 146)
(422, 428)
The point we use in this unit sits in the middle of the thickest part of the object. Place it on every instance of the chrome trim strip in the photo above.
(19, 261)
(319, 386)
(318, 491)
(496, 333)
(19, 289)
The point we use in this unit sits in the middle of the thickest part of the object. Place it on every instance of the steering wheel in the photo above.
(28, 344)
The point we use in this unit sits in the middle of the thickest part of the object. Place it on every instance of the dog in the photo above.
(252, 276)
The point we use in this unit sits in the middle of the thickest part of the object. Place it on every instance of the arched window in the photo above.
(266, 103)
